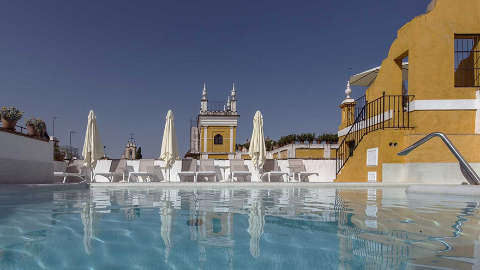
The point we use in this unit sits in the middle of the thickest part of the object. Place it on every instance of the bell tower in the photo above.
(130, 149)
(217, 127)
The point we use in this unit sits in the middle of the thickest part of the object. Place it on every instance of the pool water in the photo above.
(292, 228)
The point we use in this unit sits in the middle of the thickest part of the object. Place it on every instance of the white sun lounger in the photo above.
(72, 169)
(297, 168)
(189, 169)
(271, 168)
(102, 169)
(207, 169)
(146, 169)
(110, 169)
(238, 169)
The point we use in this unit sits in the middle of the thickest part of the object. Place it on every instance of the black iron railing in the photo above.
(359, 104)
(387, 111)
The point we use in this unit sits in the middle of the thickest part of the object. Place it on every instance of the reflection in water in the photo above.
(87, 221)
(166, 215)
(256, 221)
(291, 228)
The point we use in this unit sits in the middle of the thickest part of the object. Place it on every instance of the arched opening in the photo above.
(218, 139)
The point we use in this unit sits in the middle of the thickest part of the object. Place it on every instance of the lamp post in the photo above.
(70, 132)
(53, 125)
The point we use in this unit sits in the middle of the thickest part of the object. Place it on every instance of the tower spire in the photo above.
(204, 101)
(204, 92)
(233, 99)
(228, 106)
(234, 92)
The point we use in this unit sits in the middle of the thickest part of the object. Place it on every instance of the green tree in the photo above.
(138, 154)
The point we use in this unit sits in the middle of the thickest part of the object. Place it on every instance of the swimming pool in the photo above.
(236, 228)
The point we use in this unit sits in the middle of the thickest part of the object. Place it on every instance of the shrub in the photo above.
(39, 126)
(11, 114)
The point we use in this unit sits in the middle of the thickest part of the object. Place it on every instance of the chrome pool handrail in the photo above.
(467, 171)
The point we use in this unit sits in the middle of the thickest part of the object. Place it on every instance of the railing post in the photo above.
(383, 110)
(408, 112)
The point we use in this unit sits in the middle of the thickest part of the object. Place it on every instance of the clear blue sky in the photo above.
(131, 61)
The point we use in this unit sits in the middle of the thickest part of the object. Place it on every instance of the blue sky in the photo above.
(132, 61)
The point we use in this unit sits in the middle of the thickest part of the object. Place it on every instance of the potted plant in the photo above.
(10, 117)
(31, 127)
(41, 129)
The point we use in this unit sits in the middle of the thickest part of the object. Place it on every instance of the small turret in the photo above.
(348, 108)
(228, 105)
(204, 100)
(233, 99)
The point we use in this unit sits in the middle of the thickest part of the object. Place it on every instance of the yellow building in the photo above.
(429, 82)
(214, 135)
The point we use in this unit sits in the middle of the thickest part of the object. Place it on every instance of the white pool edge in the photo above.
(253, 185)
(458, 190)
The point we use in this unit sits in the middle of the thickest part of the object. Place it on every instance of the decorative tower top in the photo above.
(233, 99)
(204, 92)
(131, 141)
(234, 93)
(348, 91)
(204, 101)
(228, 106)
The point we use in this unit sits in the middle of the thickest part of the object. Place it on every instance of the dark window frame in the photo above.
(218, 139)
(466, 70)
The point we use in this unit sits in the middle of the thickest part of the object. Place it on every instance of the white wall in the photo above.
(426, 173)
(25, 160)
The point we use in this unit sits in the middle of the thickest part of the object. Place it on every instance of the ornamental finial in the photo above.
(348, 91)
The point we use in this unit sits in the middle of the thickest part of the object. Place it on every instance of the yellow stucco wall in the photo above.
(218, 148)
(434, 150)
(246, 156)
(217, 156)
(428, 41)
(348, 114)
(283, 154)
(454, 122)
(307, 153)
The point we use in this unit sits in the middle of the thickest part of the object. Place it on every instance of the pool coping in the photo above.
(253, 184)
(414, 188)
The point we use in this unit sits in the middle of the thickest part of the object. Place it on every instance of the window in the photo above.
(467, 61)
(372, 157)
(351, 147)
(218, 139)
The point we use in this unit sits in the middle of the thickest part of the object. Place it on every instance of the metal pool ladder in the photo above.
(467, 171)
